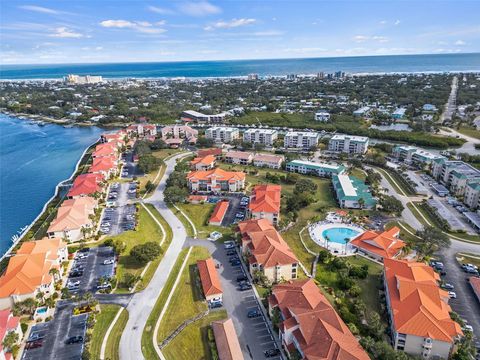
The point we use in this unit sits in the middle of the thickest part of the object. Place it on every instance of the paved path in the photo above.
(142, 303)
(467, 147)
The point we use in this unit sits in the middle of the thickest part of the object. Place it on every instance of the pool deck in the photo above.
(316, 230)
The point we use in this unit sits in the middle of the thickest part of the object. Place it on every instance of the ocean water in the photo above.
(364, 64)
(33, 160)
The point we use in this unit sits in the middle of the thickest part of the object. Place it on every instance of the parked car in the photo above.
(108, 261)
(452, 295)
(34, 344)
(75, 274)
(74, 340)
(468, 328)
(73, 282)
(231, 252)
(245, 286)
(36, 337)
(271, 353)
(447, 286)
(216, 304)
(104, 286)
(235, 263)
(242, 278)
(253, 314)
(229, 245)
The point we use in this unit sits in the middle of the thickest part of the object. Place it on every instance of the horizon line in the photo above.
(233, 60)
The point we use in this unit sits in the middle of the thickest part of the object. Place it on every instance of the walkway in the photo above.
(142, 303)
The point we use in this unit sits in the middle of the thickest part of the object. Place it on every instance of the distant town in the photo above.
(324, 216)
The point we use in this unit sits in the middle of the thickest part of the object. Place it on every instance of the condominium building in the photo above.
(216, 180)
(268, 161)
(348, 144)
(418, 309)
(192, 115)
(238, 157)
(260, 136)
(81, 80)
(28, 271)
(300, 139)
(322, 115)
(175, 135)
(472, 195)
(414, 155)
(318, 169)
(203, 163)
(266, 251)
(222, 134)
(352, 193)
(265, 203)
(309, 325)
(455, 175)
(379, 245)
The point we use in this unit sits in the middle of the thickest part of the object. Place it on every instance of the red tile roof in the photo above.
(209, 277)
(86, 184)
(213, 151)
(319, 331)
(265, 244)
(8, 323)
(105, 149)
(205, 160)
(385, 244)
(265, 198)
(102, 164)
(475, 284)
(226, 340)
(218, 174)
(239, 155)
(219, 212)
(418, 305)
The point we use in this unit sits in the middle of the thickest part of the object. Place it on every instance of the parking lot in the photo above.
(120, 215)
(236, 208)
(130, 169)
(50, 340)
(253, 333)
(89, 267)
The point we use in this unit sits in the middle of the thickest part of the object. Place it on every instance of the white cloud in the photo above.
(360, 38)
(230, 24)
(397, 22)
(383, 22)
(202, 8)
(140, 26)
(269, 33)
(64, 32)
(460, 43)
(381, 39)
(40, 9)
(304, 50)
(364, 38)
(160, 10)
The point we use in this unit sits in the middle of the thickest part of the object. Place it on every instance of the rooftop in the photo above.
(265, 198)
(226, 340)
(217, 174)
(219, 211)
(385, 244)
(342, 137)
(339, 168)
(209, 277)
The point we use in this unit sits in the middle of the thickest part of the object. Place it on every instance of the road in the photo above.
(142, 303)
(450, 106)
(467, 147)
(466, 304)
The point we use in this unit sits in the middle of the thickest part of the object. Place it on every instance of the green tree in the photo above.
(10, 340)
(174, 194)
(305, 186)
(431, 240)
(391, 204)
(143, 253)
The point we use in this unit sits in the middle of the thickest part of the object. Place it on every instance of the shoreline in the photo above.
(47, 203)
(244, 77)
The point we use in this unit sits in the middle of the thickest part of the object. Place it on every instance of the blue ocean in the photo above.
(195, 69)
(33, 160)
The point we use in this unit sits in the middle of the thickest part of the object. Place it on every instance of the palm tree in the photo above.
(54, 272)
(40, 296)
(361, 203)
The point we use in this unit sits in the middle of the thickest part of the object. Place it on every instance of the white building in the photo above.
(80, 80)
(222, 134)
(300, 139)
(348, 144)
(322, 115)
(260, 136)
(472, 194)
(192, 115)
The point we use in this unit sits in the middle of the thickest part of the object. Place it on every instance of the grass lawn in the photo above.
(358, 173)
(200, 214)
(188, 293)
(469, 131)
(369, 285)
(147, 230)
(192, 342)
(147, 342)
(113, 342)
(397, 182)
(103, 321)
(160, 154)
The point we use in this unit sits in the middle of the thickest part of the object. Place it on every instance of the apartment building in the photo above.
(175, 135)
(216, 180)
(472, 194)
(265, 203)
(260, 136)
(418, 309)
(192, 115)
(222, 134)
(266, 251)
(300, 139)
(73, 79)
(348, 144)
(203, 163)
(352, 193)
(238, 157)
(413, 155)
(85, 185)
(311, 168)
(268, 161)
(28, 271)
(310, 325)
(322, 115)
(455, 175)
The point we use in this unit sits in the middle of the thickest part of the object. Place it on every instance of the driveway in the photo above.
(142, 303)
(130, 166)
(254, 335)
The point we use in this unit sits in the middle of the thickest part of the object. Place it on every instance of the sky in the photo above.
(85, 31)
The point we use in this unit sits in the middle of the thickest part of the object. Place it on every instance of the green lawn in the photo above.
(192, 342)
(469, 131)
(359, 173)
(160, 154)
(103, 321)
(147, 336)
(113, 342)
(199, 214)
(147, 230)
(188, 293)
(397, 182)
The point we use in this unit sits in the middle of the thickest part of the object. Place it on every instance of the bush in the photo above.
(144, 253)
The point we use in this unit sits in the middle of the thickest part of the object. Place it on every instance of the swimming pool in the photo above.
(339, 235)
(42, 310)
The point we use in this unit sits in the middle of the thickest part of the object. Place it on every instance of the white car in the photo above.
(452, 295)
(73, 283)
(468, 328)
(108, 261)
